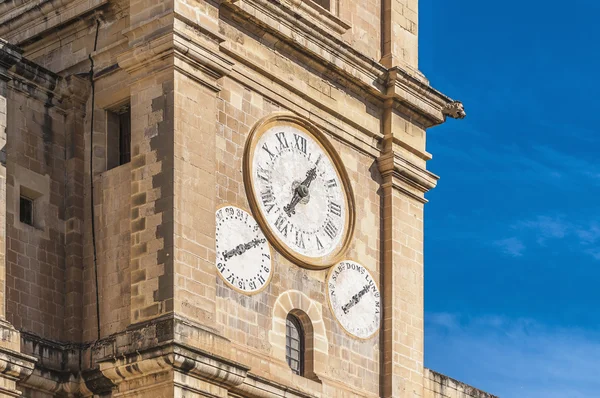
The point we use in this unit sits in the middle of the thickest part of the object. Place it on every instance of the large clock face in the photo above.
(300, 193)
(243, 253)
(354, 298)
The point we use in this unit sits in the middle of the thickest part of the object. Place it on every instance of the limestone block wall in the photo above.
(35, 256)
(113, 234)
(438, 385)
(251, 322)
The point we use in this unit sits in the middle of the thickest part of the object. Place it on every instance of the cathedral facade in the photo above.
(214, 198)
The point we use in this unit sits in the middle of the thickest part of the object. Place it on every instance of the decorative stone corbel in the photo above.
(455, 110)
(14, 367)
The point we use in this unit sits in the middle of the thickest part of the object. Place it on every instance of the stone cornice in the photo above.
(406, 176)
(22, 24)
(15, 365)
(191, 361)
(329, 53)
(258, 387)
(38, 82)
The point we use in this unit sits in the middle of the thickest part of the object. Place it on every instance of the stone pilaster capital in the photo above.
(9, 56)
(74, 91)
(405, 175)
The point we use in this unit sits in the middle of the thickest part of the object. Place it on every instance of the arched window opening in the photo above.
(294, 344)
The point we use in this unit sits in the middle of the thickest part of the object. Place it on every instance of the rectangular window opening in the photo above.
(26, 210)
(118, 136)
(326, 4)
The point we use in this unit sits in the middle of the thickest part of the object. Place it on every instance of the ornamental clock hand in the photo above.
(301, 190)
(241, 248)
(355, 299)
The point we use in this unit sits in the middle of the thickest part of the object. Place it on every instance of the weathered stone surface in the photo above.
(135, 304)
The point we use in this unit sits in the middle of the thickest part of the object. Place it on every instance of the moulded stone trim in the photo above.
(307, 310)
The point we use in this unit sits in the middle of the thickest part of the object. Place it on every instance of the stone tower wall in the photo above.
(136, 303)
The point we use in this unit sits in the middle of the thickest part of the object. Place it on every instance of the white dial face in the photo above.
(354, 298)
(299, 191)
(243, 253)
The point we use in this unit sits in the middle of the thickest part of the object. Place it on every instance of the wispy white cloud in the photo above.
(534, 165)
(546, 227)
(512, 246)
(579, 236)
(514, 357)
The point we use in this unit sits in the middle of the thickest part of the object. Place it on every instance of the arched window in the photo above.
(294, 344)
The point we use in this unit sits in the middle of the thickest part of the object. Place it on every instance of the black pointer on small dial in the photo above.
(242, 248)
(355, 299)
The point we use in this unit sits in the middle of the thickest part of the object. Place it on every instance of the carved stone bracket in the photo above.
(455, 110)
(14, 366)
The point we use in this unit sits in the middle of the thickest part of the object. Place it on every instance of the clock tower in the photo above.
(215, 198)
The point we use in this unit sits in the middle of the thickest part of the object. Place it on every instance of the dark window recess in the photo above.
(326, 4)
(26, 210)
(294, 345)
(118, 136)
(125, 137)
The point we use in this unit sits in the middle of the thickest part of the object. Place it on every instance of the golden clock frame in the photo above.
(231, 286)
(333, 312)
(289, 119)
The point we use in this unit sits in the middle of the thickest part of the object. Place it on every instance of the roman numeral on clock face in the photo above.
(268, 199)
(262, 174)
(300, 239)
(336, 209)
(331, 183)
(300, 142)
(319, 244)
(282, 140)
(282, 225)
(266, 148)
(330, 229)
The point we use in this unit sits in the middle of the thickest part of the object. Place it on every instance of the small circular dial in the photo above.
(243, 253)
(300, 193)
(354, 299)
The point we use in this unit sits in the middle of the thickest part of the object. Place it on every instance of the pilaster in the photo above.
(400, 34)
(404, 183)
(76, 95)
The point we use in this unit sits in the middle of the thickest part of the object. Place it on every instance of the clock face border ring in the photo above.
(271, 253)
(332, 310)
(286, 118)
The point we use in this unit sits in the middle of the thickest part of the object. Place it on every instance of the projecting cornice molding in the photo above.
(330, 55)
(22, 24)
(406, 176)
(39, 83)
(180, 358)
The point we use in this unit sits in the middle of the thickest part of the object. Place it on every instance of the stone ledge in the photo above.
(449, 387)
(406, 176)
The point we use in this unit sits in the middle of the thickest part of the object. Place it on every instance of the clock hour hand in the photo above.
(355, 299)
(301, 191)
(242, 248)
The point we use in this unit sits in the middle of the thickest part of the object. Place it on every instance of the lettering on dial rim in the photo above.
(298, 191)
(354, 299)
(243, 253)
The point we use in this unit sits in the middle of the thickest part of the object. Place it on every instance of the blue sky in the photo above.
(512, 232)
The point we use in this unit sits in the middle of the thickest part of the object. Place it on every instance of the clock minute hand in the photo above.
(300, 192)
(355, 299)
